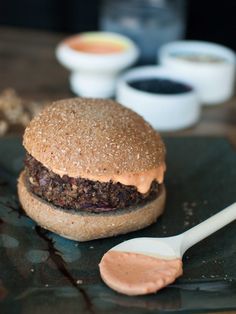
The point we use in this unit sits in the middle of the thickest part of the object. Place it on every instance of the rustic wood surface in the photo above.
(28, 64)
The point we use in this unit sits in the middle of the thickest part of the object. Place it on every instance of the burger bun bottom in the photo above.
(85, 226)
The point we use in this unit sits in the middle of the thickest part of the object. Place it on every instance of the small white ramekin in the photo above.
(95, 75)
(165, 112)
(214, 81)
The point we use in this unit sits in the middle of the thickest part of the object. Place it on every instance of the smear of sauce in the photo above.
(137, 274)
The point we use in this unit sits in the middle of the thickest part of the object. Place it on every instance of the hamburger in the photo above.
(93, 169)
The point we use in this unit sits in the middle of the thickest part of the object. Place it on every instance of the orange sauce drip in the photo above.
(142, 180)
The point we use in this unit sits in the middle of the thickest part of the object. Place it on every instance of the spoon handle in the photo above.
(207, 227)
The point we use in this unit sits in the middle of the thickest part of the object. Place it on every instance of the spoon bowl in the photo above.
(145, 265)
(167, 248)
(176, 246)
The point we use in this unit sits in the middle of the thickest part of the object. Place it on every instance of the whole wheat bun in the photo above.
(83, 226)
(79, 137)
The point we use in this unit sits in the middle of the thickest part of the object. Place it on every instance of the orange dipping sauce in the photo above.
(138, 274)
(95, 44)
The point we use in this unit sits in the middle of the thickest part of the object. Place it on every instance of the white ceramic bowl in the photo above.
(214, 81)
(165, 112)
(94, 75)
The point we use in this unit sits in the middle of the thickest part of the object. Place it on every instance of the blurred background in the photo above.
(31, 30)
(205, 19)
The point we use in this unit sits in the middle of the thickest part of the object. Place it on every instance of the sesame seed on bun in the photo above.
(93, 169)
(81, 136)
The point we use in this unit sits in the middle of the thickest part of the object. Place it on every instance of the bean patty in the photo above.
(83, 194)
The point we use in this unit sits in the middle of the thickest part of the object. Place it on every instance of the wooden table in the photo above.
(28, 64)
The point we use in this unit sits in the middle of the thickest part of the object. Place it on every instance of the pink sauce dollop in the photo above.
(137, 274)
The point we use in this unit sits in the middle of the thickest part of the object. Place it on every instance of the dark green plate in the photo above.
(41, 272)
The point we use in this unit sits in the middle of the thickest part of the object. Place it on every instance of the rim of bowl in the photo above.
(154, 72)
(131, 46)
(197, 46)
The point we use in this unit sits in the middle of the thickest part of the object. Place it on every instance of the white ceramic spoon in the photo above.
(176, 246)
(117, 264)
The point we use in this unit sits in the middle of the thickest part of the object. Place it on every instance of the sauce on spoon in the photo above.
(131, 273)
(137, 274)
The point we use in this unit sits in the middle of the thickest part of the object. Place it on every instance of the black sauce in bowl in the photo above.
(160, 86)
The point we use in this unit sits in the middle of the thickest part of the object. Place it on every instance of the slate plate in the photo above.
(41, 272)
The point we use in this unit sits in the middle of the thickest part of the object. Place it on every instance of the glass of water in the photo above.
(150, 23)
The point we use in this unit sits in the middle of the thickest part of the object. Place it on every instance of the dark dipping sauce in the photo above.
(160, 86)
